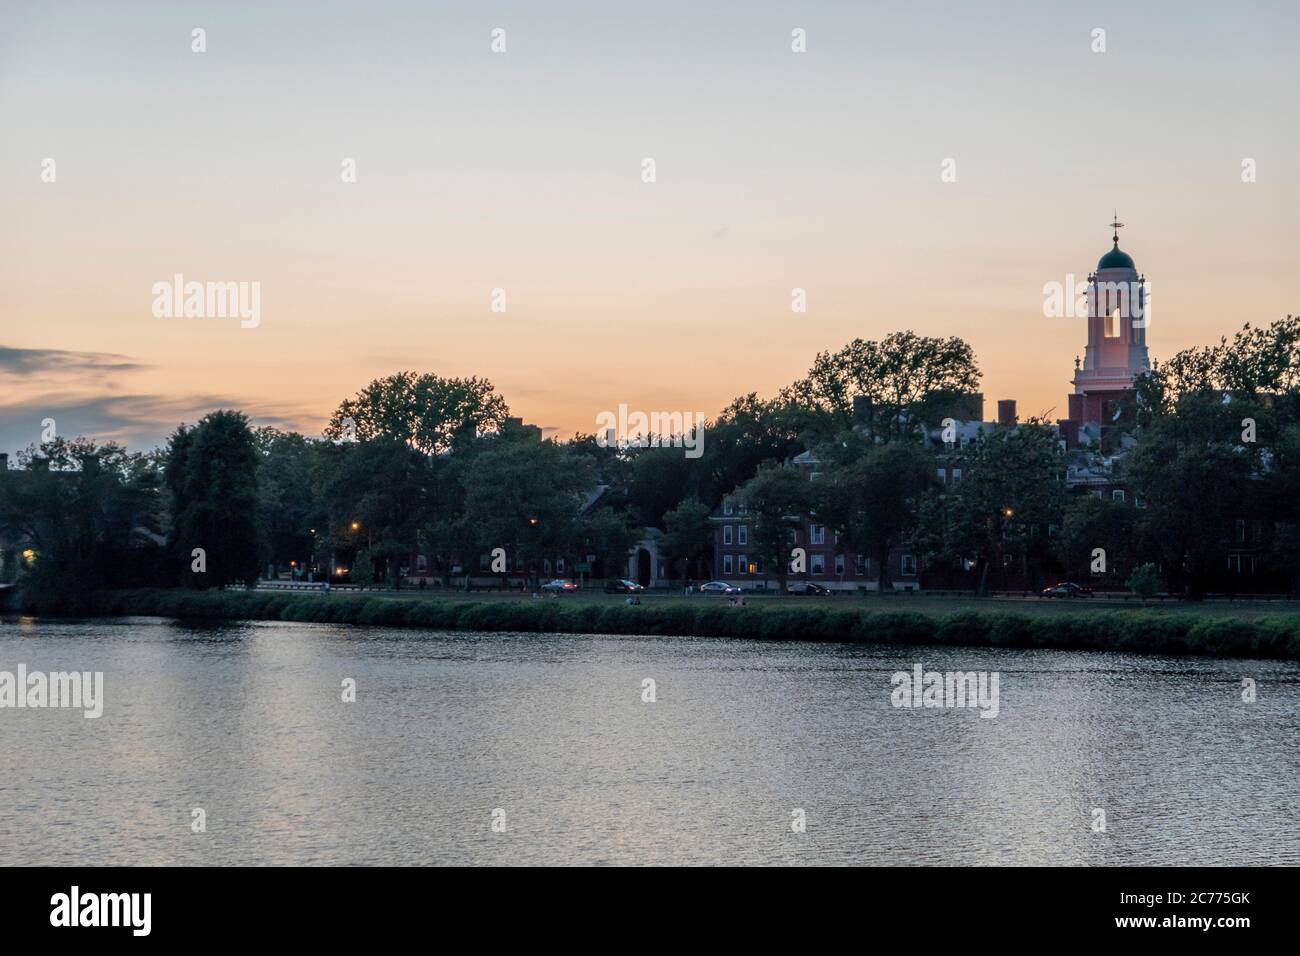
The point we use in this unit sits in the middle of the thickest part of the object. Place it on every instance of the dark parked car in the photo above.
(559, 586)
(1067, 589)
(807, 587)
(623, 587)
(718, 587)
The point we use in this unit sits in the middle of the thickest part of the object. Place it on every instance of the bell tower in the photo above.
(1116, 353)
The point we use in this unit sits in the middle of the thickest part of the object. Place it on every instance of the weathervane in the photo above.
(1117, 226)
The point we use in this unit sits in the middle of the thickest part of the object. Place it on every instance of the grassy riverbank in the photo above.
(1139, 631)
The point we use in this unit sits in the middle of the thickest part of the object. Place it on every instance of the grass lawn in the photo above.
(934, 605)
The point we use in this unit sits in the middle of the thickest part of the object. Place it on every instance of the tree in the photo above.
(83, 516)
(362, 570)
(427, 412)
(746, 435)
(525, 496)
(873, 500)
(378, 494)
(1194, 477)
(1145, 581)
(899, 378)
(777, 499)
(1090, 523)
(610, 537)
(211, 479)
(288, 506)
(689, 535)
(1258, 362)
(1011, 495)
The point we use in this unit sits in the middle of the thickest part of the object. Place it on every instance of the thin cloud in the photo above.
(27, 362)
(139, 422)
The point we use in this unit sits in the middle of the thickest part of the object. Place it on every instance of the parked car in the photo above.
(718, 587)
(810, 588)
(559, 586)
(1067, 589)
(623, 587)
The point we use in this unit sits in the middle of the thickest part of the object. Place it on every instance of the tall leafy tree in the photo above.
(378, 494)
(289, 507)
(211, 480)
(1090, 523)
(873, 500)
(1012, 495)
(425, 411)
(776, 500)
(86, 515)
(610, 536)
(899, 377)
(525, 496)
(688, 537)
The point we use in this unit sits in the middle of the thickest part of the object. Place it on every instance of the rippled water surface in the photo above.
(247, 722)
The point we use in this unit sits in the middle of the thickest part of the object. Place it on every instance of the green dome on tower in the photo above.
(1115, 259)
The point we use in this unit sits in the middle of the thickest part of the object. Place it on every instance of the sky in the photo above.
(522, 171)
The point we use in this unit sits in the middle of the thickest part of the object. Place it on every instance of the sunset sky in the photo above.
(522, 171)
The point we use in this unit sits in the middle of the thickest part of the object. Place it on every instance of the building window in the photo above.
(743, 535)
(1112, 325)
(559, 565)
(819, 564)
(726, 564)
(859, 565)
(839, 565)
(741, 564)
(956, 476)
(482, 562)
(1241, 531)
(909, 564)
(726, 534)
(943, 476)
(727, 507)
(1117, 494)
(818, 534)
(1138, 502)
(421, 562)
(546, 567)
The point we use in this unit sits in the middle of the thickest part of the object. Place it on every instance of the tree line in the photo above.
(422, 464)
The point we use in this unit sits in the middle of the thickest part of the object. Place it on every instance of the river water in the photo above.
(550, 738)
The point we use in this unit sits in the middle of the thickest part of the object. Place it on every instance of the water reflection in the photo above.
(247, 722)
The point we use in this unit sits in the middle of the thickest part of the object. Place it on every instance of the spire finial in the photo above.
(1117, 226)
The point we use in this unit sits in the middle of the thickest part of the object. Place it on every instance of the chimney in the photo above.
(1006, 411)
(861, 409)
(1068, 429)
